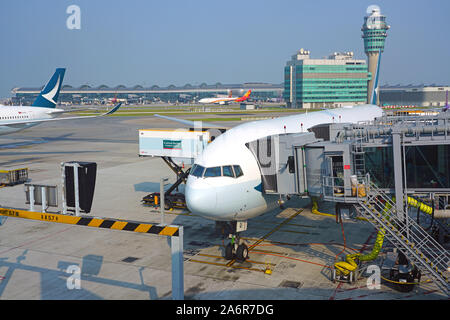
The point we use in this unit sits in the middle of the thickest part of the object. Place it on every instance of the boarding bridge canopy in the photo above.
(415, 153)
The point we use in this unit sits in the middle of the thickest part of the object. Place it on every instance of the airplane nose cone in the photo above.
(201, 198)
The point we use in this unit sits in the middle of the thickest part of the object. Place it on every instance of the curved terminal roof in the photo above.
(203, 87)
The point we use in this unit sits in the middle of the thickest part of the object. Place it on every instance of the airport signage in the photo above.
(171, 144)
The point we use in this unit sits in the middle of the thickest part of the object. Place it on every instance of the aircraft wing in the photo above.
(189, 123)
(54, 112)
(76, 108)
(58, 119)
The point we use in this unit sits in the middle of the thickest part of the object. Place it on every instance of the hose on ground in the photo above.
(351, 260)
(315, 208)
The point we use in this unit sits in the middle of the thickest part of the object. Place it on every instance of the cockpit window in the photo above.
(228, 171)
(238, 171)
(197, 171)
(213, 172)
(234, 171)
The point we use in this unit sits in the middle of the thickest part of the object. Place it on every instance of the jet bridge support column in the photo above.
(398, 174)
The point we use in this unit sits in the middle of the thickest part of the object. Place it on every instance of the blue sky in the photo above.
(193, 41)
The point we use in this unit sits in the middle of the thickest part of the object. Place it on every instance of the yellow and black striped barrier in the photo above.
(171, 231)
(174, 232)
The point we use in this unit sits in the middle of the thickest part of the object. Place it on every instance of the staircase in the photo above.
(406, 235)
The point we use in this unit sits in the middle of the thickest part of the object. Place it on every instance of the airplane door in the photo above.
(300, 170)
(264, 152)
(335, 172)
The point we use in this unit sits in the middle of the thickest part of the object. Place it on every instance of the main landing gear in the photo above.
(236, 249)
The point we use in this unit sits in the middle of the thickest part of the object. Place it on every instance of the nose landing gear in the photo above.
(235, 249)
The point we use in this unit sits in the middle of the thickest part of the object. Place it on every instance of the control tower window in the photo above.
(197, 171)
(213, 172)
(238, 171)
(228, 171)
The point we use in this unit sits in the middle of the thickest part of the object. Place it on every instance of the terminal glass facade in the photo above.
(261, 92)
(326, 85)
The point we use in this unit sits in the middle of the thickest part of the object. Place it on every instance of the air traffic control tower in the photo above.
(374, 34)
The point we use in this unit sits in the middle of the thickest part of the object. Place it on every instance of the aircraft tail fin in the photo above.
(244, 97)
(49, 95)
(113, 109)
(375, 89)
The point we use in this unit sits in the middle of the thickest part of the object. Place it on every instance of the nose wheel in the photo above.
(236, 250)
(242, 252)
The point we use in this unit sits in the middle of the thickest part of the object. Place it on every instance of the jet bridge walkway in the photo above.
(374, 169)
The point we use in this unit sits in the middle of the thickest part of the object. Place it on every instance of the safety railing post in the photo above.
(44, 199)
(31, 195)
(63, 187)
(177, 265)
(77, 190)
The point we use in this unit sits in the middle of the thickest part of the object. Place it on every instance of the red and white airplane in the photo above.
(225, 100)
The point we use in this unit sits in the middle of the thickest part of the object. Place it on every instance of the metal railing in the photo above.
(436, 125)
(334, 189)
(406, 234)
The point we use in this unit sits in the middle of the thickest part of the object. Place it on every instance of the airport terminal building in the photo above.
(310, 90)
(325, 83)
(414, 95)
(138, 94)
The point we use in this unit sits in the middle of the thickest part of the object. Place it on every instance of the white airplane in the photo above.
(17, 118)
(225, 182)
(225, 100)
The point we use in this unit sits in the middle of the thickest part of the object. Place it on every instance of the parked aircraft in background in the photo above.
(43, 109)
(225, 100)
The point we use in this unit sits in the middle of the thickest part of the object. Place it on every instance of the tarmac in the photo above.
(291, 249)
